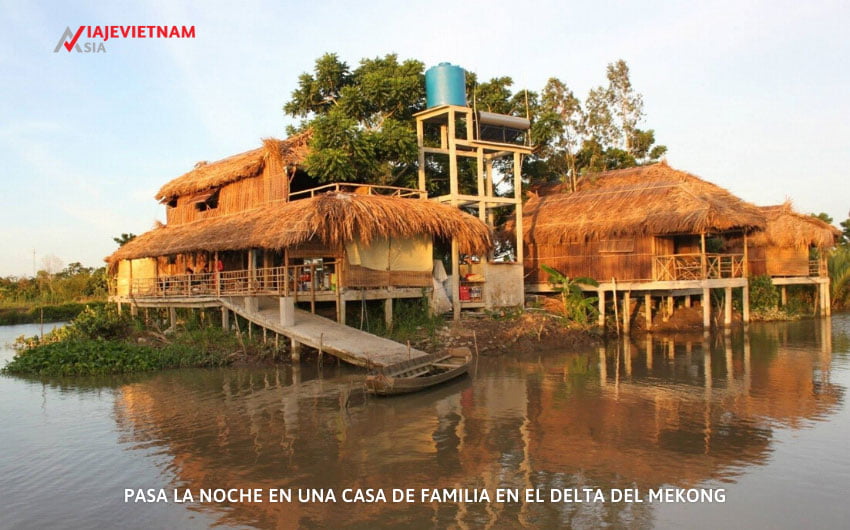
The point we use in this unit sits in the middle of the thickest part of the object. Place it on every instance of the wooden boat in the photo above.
(419, 373)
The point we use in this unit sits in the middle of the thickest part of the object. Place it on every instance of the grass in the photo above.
(411, 319)
(18, 314)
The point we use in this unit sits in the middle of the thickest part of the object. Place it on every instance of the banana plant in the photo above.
(577, 307)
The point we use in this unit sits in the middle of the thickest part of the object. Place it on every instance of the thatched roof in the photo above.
(332, 218)
(206, 175)
(787, 228)
(654, 199)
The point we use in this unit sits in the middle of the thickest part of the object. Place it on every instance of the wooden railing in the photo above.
(365, 189)
(698, 266)
(301, 281)
(817, 268)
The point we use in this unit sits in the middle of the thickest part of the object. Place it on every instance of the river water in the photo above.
(758, 424)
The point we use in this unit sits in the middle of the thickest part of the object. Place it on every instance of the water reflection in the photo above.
(636, 414)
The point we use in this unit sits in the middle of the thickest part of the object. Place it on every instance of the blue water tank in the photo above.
(445, 84)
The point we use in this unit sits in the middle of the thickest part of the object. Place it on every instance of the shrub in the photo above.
(574, 305)
(764, 296)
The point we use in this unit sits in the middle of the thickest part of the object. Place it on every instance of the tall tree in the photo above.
(626, 105)
(363, 126)
(361, 119)
(845, 236)
(560, 125)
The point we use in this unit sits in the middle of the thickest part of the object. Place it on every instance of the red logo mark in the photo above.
(69, 45)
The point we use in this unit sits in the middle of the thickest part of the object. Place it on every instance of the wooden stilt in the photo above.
(341, 312)
(340, 303)
(321, 347)
(746, 304)
(727, 307)
(828, 301)
(627, 304)
(671, 304)
(647, 308)
(706, 308)
(783, 295)
(601, 295)
(388, 313)
(172, 316)
(455, 281)
(225, 319)
(295, 350)
(687, 300)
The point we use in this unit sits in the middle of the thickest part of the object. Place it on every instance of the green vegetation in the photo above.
(765, 300)
(51, 296)
(838, 264)
(839, 274)
(410, 318)
(764, 296)
(574, 305)
(10, 315)
(100, 341)
(99, 356)
(124, 238)
(364, 130)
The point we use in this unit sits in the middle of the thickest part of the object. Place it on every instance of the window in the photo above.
(616, 245)
(206, 201)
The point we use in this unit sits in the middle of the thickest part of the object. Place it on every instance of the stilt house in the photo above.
(250, 225)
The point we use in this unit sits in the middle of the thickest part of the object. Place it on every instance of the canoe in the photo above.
(418, 374)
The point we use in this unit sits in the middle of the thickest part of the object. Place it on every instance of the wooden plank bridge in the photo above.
(349, 344)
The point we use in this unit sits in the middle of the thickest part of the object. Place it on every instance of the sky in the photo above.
(748, 95)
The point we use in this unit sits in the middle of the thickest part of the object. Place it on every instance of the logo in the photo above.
(70, 40)
(69, 44)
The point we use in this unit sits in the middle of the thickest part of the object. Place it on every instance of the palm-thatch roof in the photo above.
(332, 218)
(787, 228)
(207, 175)
(646, 200)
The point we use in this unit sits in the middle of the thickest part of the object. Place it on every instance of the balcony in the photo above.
(307, 282)
(697, 266)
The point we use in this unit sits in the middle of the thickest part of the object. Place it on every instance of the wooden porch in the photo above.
(314, 282)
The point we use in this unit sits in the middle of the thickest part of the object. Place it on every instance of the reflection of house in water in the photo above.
(604, 419)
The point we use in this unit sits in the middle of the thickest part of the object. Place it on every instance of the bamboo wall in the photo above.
(270, 185)
(787, 261)
(588, 259)
(357, 276)
(773, 260)
(234, 197)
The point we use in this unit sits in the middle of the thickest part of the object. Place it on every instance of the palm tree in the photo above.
(839, 275)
